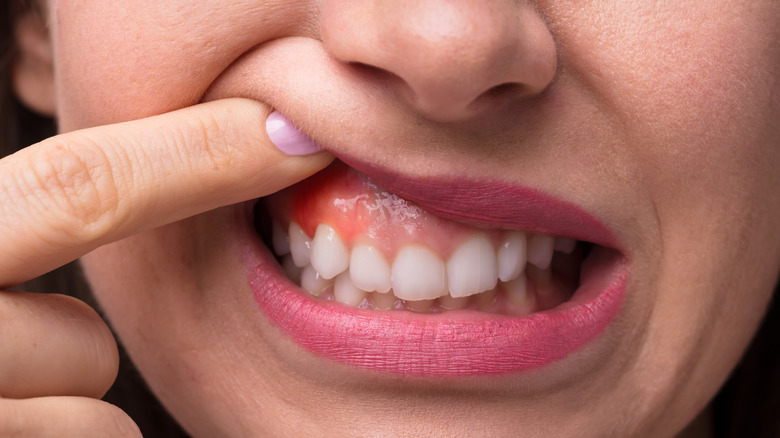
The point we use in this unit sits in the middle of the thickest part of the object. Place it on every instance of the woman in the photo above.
(543, 218)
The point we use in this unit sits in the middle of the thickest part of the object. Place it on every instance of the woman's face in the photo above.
(647, 128)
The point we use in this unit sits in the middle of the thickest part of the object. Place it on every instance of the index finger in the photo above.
(71, 193)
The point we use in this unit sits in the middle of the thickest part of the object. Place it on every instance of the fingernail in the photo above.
(287, 138)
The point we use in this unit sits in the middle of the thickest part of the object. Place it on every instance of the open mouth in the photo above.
(365, 277)
(340, 237)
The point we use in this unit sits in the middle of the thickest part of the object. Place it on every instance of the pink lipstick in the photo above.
(464, 342)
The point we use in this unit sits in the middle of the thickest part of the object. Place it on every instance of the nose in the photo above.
(448, 59)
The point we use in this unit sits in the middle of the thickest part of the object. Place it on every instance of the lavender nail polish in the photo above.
(287, 137)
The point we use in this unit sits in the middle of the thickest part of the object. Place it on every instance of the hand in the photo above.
(71, 193)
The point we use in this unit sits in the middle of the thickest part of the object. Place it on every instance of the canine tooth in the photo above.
(368, 269)
(300, 245)
(418, 274)
(312, 282)
(451, 303)
(565, 244)
(345, 292)
(329, 256)
(517, 291)
(419, 306)
(472, 267)
(383, 301)
(540, 250)
(511, 256)
(279, 240)
(292, 271)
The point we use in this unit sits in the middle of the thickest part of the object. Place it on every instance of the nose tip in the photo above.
(448, 59)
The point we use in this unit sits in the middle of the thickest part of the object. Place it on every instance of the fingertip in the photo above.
(287, 137)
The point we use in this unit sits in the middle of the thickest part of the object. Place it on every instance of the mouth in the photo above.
(432, 278)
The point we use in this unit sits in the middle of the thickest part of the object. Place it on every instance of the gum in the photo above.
(362, 212)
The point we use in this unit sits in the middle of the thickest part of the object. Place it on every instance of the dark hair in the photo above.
(748, 406)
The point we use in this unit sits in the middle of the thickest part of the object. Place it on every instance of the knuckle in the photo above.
(73, 187)
(211, 150)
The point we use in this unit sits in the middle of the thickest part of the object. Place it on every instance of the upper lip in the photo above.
(490, 203)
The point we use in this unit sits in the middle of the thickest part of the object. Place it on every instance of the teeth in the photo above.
(280, 240)
(300, 245)
(418, 274)
(540, 250)
(313, 283)
(293, 272)
(565, 244)
(369, 270)
(472, 268)
(517, 291)
(419, 306)
(485, 300)
(329, 256)
(453, 303)
(345, 292)
(383, 301)
(511, 256)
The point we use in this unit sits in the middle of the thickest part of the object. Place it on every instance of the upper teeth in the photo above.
(417, 273)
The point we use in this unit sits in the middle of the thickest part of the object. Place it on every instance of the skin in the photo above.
(658, 119)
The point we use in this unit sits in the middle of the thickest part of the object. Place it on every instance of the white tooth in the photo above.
(472, 268)
(293, 272)
(540, 250)
(511, 256)
(280, 240)
(419, 306)
(345, 292)
(383, 301)
(300, 245)
(329, 256)
(418, 274)
(368, 269)
(313, 283)
(453, 303)
(517, 291)
(565, 244)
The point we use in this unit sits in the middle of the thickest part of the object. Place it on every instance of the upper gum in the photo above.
(363, 213)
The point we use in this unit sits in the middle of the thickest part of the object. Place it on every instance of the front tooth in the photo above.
(279, 240)
(511, 256)
(540, 250)
(300, 245)
(329, 256)
(313, 283)
(565, 244)
(472, 267)
(368, 269)
(418, 274)
(345, 292)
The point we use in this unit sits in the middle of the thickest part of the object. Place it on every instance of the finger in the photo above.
(53, 345)
(64, 417)
(71, 193)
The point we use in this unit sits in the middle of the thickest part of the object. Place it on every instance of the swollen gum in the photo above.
(362, 212)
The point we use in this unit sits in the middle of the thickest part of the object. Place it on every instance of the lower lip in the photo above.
(454, 343)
